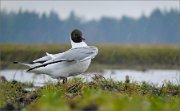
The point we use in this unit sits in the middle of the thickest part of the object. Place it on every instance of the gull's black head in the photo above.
(76, 36)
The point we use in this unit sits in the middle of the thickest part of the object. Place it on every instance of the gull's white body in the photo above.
(65, 69)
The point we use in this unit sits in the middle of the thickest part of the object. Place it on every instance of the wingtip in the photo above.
(15, 62)
(30, 69)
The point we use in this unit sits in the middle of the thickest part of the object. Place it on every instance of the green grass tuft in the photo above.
(101, 94)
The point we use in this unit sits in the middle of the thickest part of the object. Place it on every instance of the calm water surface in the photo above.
(157, 77)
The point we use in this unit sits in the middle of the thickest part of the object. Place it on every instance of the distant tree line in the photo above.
(31, 27)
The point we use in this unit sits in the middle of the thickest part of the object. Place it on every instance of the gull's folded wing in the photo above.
(75, 54)
(48, 63)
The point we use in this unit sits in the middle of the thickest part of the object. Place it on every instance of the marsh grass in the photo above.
(107, 95)
(10, 91)
(100, 94)
(109, 56)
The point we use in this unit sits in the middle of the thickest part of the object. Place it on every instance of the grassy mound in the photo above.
(100, 94)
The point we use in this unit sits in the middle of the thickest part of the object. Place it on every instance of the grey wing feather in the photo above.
(80, 53)
(45, 58)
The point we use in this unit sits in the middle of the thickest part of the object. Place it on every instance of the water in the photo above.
(157, 77)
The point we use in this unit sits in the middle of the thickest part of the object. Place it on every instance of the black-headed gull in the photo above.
(69, 63)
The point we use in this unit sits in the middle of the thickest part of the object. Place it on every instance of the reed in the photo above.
(109, 56)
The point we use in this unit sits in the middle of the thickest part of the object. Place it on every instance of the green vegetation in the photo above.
(110, 56)
(11, 92)
(100, 94)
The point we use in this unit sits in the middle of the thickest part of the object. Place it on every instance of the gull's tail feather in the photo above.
(26, 64)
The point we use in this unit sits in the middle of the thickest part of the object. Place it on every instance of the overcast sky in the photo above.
(92, 9)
